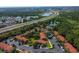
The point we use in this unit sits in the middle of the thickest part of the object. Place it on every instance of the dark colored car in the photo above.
(36, 46)
(49, 35)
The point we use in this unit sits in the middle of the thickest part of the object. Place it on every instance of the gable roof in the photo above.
(21, 38)
(60, 38)
(6, 47)
(42, 35)
(41, 41)
(70, 48)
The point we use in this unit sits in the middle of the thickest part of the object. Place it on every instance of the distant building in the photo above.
(46, 14)
(28, 18)
(34, 17)
(19, 19)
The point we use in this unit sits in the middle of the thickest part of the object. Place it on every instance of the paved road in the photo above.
(9, 28)
(56, 45)
(54, 42)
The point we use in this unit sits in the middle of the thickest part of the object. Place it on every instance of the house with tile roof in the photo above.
(6, 47)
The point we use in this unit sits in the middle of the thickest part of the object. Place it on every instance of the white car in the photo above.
(62, 48)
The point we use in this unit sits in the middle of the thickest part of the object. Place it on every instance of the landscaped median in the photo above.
(49, 45)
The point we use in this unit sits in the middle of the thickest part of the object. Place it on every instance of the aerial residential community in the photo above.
(39, 30)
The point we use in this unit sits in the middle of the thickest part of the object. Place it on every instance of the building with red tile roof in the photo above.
(41, 41)
(21, 38)
(42, 35)
(6, 47)
(60, 38)
(69, 48)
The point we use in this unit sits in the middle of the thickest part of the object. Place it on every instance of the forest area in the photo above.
(69, 26)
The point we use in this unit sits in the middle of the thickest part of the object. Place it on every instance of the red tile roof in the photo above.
(42, 35)
(60, 38)
(67, 45)
(70, 48)
(6, 47)
(21, 38)
(41, 41)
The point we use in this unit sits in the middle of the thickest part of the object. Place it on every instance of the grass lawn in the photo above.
(1, 51)
(31, 41)
(49, 45)
(72, 21)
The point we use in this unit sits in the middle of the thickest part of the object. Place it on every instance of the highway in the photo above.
(9, 28)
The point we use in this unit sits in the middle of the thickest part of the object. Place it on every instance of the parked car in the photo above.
(36, 46)
(49, 35)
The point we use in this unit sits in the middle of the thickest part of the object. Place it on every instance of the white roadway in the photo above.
(9, 28)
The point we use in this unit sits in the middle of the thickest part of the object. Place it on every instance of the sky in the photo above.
(20, 3)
